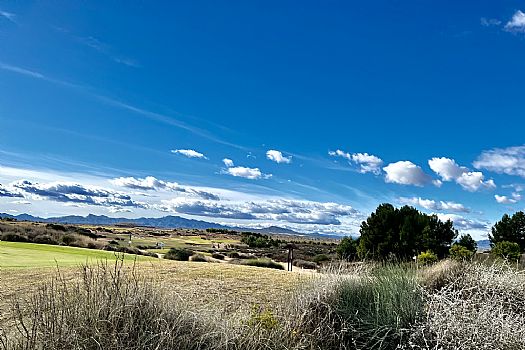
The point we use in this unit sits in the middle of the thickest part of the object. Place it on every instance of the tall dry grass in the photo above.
(446, 306)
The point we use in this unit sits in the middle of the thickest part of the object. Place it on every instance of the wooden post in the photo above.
(290, 257)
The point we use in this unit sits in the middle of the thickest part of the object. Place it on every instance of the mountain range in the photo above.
(168, 222)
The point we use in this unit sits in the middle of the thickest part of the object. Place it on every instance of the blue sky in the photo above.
(324, 109)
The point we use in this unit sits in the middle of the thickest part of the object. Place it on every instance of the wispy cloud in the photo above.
(489, 22)
(158, 117)
(23, 71)
(101, 47)
(367, 163)
(9, 16)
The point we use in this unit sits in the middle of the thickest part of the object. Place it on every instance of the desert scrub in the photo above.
(483, 307)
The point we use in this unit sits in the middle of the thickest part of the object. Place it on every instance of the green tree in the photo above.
(403, 233)
(507, 250)
(509, 229)
(378, 233)
(468, 242)
(347, 248)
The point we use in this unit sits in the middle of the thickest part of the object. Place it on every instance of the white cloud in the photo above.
(75, 193)
(291, 211)
(477, 227)
(367, 163)
(247, 173)
(514, 198)
(227, 162)
(190, 153)
(277, 156)
(516, 23)
(449, 170)
(150, 183)
(510, 160)
(21, 202)
(431, 204)
(405, 173)
(504, 199)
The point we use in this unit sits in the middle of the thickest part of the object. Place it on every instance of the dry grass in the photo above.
(198, 283)
(186, 305)
(480, 307)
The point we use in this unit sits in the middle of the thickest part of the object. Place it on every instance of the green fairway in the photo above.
(16, 254)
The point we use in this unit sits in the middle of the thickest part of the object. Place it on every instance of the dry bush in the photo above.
(484, 308)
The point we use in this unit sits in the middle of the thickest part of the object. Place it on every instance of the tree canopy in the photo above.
(468, 242)
(403, 233)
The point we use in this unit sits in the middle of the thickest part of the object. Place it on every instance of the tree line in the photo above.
(404, 233)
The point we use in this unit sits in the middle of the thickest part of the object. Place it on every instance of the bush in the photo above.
(303, 264)
(459, 252)
(45, 239)
(268, 263)
(178, 254)
(319, 258)
(234, 255)
(13, 237)
(198, 258)
(218, 256)
(68, 239)
(57, 227)
(507, 250)
(427, 258)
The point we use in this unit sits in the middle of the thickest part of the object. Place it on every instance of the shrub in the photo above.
(68, 239)
(427, 258)
(45, 239)
(268, 263)
(198, 258)
(218, 256)
(459, 252)
(482, 308)
(507, 250)
(234, 255)
(13, 237)
(178, 254)
(319, 258)
(262, 318)
(56, 227)
(303, 264)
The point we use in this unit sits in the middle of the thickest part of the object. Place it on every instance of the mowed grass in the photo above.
(29, 255)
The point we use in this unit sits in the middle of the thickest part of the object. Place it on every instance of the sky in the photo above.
(301, 114)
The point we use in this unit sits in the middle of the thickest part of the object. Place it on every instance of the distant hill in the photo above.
(483, 245)
(162, 222)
